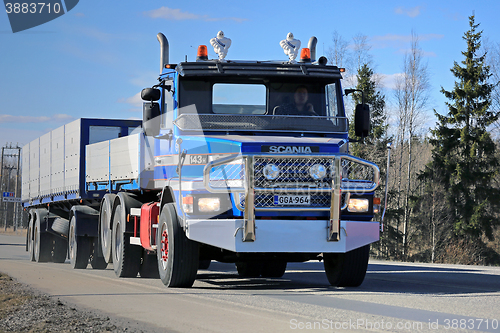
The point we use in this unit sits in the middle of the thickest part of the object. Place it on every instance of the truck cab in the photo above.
(255, 178)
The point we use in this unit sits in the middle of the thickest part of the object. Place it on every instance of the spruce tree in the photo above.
(464, 159)
(376, 101)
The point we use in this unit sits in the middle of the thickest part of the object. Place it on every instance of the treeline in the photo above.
(444, 193)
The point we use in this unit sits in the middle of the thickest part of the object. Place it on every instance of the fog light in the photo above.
(271, 171)
(317, 172)
(357, 205)
(206, 205)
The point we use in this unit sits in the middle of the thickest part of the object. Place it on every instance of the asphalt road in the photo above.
(395, 297)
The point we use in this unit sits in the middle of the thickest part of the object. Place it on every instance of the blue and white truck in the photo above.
(218, 169)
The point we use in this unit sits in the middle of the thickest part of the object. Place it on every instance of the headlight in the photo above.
(206, 205)
(317, 172)
(357, 205)
(271, 171)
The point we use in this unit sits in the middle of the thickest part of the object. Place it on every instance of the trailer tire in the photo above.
(60, 250)
(42, 241)
(178, 256)
(273, 269)
(126, 257)
(347, 269)
(78, 247)
(105, 225)
(30, 236)
(249, 269)
(149, 266)
(61, 226)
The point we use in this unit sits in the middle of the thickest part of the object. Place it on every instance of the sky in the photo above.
(93, 61)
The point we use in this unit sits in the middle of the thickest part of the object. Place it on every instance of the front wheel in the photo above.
(273, 269)
(178, 256)
(347, 269)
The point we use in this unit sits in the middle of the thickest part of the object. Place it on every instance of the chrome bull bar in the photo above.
(236, 174)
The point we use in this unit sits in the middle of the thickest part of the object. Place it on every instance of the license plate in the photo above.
(292, 200)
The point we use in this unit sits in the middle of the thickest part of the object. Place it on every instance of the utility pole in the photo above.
(10, 161)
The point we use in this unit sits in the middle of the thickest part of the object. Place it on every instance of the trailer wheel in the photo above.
(178, 256)
(273, 269)
(126, 257)
(60, 250)
(105, 224)
(149, 266)
(347, 269)
(42, 242)
(250, 269)
(29, 235)
(79, 247)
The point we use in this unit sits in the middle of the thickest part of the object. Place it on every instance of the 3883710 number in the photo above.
(32, 8)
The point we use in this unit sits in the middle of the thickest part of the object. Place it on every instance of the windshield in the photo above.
(262, 105)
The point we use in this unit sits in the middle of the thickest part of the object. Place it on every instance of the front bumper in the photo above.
(292, 236)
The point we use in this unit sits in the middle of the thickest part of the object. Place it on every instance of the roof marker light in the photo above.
(342, 70)
(202, 53)
(305, 55)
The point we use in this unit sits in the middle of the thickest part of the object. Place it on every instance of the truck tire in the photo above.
(78, 247)
(149, 266)
(347, 269)
(126, 257)
(60, 250)
(61, 226)
(273, 269)
(42, 241)
(204, 264)
(105, 224)
(29, 235)
(178, 256)
(96, 261)
(249, 269)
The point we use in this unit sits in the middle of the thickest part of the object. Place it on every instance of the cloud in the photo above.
(400, 41)
(390, 80)
(134, 101)
(411, 12)
(424, 53)
(7, 118)
(144, 79)
(176, 14)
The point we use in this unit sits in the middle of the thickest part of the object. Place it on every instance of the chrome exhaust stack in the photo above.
(312, 47)
(163, 50)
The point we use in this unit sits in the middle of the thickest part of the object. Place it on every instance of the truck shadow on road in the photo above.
(380, 277)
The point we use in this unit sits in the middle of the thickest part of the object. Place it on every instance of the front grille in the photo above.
(294, 172)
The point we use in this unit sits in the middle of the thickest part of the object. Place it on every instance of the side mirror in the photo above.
(150, 94)
(151, 119)
(362, 120)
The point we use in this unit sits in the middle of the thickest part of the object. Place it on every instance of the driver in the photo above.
(300, 106)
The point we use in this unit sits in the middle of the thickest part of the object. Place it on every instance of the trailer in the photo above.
(243, 162)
